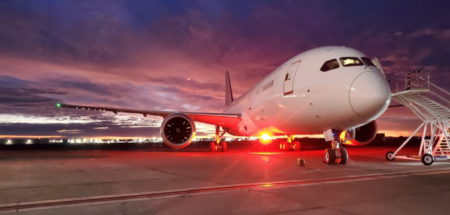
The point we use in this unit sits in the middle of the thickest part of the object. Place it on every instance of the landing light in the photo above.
(265, 137)
(342, 137)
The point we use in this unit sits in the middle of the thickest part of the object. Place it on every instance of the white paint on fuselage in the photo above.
(319, 101)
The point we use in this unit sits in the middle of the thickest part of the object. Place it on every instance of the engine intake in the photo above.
(178, 130)
(364, 134)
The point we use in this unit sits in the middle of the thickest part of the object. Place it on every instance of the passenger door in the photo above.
(289, 78)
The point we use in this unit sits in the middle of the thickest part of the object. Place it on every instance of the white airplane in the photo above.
(333, 90)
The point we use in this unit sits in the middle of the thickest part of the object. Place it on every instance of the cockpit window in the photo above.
(368, 61)
(350, 61)
(329, 65)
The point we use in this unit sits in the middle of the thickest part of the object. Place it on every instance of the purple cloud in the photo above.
(141, 54)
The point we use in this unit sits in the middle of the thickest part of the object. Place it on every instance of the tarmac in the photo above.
(235, 182)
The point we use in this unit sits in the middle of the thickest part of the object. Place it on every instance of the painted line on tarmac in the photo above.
(47, 204)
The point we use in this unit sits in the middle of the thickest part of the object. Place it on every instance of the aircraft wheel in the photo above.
(287, 146)
(390, 156)
(224, 146)
(296, 146)
(344, 156)
(330, 156)
(427, 159)
(284, 146)
(213, 147)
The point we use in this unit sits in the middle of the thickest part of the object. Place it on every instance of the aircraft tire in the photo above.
(296, 146)
(330, 156)
(287, 146)
(390, 156)
(213, 147)
(224, 146)
(427, 159)
(344, 156)
(283, 145)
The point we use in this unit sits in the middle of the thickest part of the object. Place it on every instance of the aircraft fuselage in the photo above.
(299, 98)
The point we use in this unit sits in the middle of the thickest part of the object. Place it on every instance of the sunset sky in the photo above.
(140, 54)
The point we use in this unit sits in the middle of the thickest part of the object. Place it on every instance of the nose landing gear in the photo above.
(336, 154)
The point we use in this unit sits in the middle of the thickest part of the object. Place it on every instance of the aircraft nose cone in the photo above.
(370, 94)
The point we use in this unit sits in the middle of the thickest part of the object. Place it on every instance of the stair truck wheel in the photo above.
(427, 159)
(390, 156)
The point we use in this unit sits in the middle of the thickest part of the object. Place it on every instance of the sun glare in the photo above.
(265, 137)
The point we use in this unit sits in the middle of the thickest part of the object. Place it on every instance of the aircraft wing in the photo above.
(221, 119)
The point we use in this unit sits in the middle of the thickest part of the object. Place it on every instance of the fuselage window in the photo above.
(368, 61)
(329, 65)
(351, 61)
(287, 76)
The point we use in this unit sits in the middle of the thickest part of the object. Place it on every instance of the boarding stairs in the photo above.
(442, 147)
(432, 105)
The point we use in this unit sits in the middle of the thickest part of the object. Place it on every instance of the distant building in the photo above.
(380, 137)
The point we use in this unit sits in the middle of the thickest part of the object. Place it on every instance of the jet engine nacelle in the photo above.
(364, 134)
(177, 130)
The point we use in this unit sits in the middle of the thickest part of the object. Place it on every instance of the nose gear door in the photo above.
(289, 78)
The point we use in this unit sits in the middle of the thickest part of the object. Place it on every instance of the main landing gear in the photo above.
(336, 154)
(217, 145)
(290, 144)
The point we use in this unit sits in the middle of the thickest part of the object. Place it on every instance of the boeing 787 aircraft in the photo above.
(333, 90)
